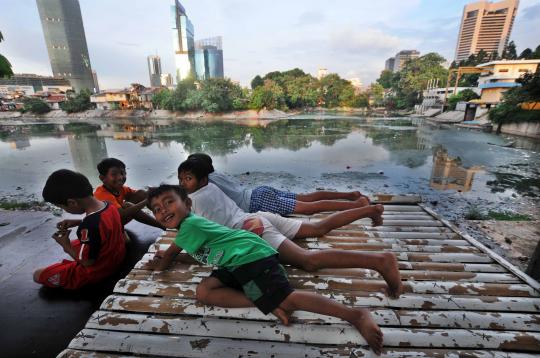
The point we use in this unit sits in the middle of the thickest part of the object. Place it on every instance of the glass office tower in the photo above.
(209, 58)
(183, 42)
(66, 42)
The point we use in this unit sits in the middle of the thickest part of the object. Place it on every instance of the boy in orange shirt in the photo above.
(112, 172)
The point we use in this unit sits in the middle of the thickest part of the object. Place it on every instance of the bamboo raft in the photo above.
(460, 300)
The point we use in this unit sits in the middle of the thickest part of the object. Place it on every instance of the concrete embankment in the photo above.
(59, 116)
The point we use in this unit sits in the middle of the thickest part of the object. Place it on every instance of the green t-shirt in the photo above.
(217, 245)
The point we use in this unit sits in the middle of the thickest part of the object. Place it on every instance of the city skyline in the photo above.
(352, 39)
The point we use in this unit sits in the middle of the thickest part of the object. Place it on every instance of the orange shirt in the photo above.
(103, 194)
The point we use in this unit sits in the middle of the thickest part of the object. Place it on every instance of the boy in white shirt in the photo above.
(266, 198)
(210, 202)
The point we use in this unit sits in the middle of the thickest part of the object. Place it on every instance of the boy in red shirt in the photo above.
(100, 247)
(112, 172)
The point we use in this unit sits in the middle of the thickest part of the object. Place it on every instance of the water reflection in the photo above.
(448, 173)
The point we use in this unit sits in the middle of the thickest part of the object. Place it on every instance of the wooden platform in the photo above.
(460, 300)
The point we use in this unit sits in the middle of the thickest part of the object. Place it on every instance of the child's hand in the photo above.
(156, 263)
(255, 225)
(62, 238)
(66, 224)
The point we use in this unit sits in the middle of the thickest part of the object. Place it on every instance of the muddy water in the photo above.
(451, 168)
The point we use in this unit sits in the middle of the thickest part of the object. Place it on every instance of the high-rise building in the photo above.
(96, 83)
(402, 57)
(209, 58)
(154, 70)
(485, 26)
(322, 72)
(389, 64)
(183, 42)
(66, 42)
(166, 80)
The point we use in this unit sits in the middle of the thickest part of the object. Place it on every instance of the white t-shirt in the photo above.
(210, 202)
(233, 189)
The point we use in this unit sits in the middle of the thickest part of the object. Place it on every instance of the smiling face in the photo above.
(114, 179)
(169, 209)
(189, 181)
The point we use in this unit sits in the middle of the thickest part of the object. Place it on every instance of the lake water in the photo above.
(456, 167)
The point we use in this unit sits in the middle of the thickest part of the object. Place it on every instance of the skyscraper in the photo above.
(402, 57)
(66, 43)
(485, 26)
(154, 70)
(183, 42)
(209, 58)
(389, 64)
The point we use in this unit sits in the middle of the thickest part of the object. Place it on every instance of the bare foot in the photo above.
(282, 315)
(355, 195)
(376, 216)
(367, 327)
(390, 273)
(362, 201)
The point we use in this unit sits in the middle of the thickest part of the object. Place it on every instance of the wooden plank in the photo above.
(402, 318)
(526, 278)
(431, 301)
(396, 199)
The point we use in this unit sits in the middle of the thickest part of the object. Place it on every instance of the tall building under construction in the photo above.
(485, 26)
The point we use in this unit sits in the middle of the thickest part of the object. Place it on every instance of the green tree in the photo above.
(35, 105)
(5, 65)
(414, 77)
(269, 96)
(217, 94)
(510, 52)
(536, 54)
(509, 110)
(78, 102)
(331, 87)
(302, 91)
(526, 54)
(386, 79)
(162, 99)
(463, 96)
(376, 93)
(257, 81)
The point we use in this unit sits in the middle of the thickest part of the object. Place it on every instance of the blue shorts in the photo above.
(265, 198)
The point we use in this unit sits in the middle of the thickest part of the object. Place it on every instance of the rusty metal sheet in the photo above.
(359, 298)
(181, 275)
(383, 317)
(195, 346)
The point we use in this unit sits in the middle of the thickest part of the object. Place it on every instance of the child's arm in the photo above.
(163, 259)
(136, 196)
(66, 224)
(62, 238)
(129, 210)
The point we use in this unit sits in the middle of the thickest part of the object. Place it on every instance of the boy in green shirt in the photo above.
(249, 273)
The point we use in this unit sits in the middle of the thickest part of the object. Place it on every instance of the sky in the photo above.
(350, 37)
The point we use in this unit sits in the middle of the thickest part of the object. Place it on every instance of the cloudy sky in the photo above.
(350, 37)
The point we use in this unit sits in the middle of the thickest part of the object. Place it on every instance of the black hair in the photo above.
(154, 192)
(66, 184)
(108, 163)
(196, 166)
(205, 158)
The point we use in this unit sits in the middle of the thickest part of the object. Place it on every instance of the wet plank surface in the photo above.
(459, 299)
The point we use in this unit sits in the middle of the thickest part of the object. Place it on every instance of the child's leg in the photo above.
(328, 195)
(312, 207)
(360, 318)
(310, 260)
(211, 291)
(334, 221)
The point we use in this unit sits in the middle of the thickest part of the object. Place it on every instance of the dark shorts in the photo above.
(266, 198)
(264, 282)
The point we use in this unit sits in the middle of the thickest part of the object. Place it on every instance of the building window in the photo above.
(472, 14)
(523, 70)
(503, 70)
